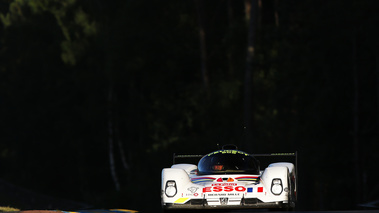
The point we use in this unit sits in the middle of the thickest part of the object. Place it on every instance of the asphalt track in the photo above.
(347, 211)
(158, 211)
(265, 211)
(271, 211)
(80, 211)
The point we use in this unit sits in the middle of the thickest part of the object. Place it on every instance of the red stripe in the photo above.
(247, 177)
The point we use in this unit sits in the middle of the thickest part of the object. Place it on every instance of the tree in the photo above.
(251, 16)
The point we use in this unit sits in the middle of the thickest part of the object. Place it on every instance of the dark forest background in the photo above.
(96, 96)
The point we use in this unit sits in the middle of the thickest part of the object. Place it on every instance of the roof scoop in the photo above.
(230, 146)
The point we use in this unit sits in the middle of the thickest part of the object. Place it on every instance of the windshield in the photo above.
(228, 162)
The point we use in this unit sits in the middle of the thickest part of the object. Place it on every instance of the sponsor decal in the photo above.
(224, 184)
(251, 189)
(228, 152)
(227, 188)
(225, 180)
(230, 180)
(214, 195)
(233, 194)
(223, 194)
(191, 195)
(193, 189)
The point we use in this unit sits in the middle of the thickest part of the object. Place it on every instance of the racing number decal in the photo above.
(224, 189)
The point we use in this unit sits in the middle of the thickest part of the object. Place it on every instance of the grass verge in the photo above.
(8, 209)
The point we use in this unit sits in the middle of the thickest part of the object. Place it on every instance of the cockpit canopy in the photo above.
(228, 162)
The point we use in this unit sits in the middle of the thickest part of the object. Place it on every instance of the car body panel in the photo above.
(273, 187)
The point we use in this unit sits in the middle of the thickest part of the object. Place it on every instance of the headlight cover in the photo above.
(276, 186)
(170, 189)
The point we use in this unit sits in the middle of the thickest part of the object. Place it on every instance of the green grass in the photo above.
(8, 209)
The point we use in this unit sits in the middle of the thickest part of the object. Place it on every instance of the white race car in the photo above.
(229, 178)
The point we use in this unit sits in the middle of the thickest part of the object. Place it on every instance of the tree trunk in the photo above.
(121, 149)
(203, 49)
(117, 134)
(229, 54)
(108, 68)
(356, 151)
(111, 139)
(250, 9)
(377, 90)
(276, 6)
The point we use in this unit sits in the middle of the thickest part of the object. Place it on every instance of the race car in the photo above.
(229, 179)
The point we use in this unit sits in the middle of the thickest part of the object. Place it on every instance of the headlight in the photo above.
(277, 181)
(170, 188)
(276, 186)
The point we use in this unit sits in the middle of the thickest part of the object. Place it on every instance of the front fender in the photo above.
(181, 178)
(271, 173)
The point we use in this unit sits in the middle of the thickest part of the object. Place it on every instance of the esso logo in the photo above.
(224, 189)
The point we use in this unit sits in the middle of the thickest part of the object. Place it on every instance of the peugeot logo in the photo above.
(224, 200)
(193, 189)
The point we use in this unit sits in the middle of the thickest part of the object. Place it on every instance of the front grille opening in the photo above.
(197, 201)
(250, 201)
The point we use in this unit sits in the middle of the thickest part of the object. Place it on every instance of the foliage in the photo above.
(8, 209)
(59, 60)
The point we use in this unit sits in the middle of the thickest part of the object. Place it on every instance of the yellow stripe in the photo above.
(181, 200)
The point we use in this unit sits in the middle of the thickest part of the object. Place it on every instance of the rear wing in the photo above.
(195, 158)
(190, 158)
(278, 156)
